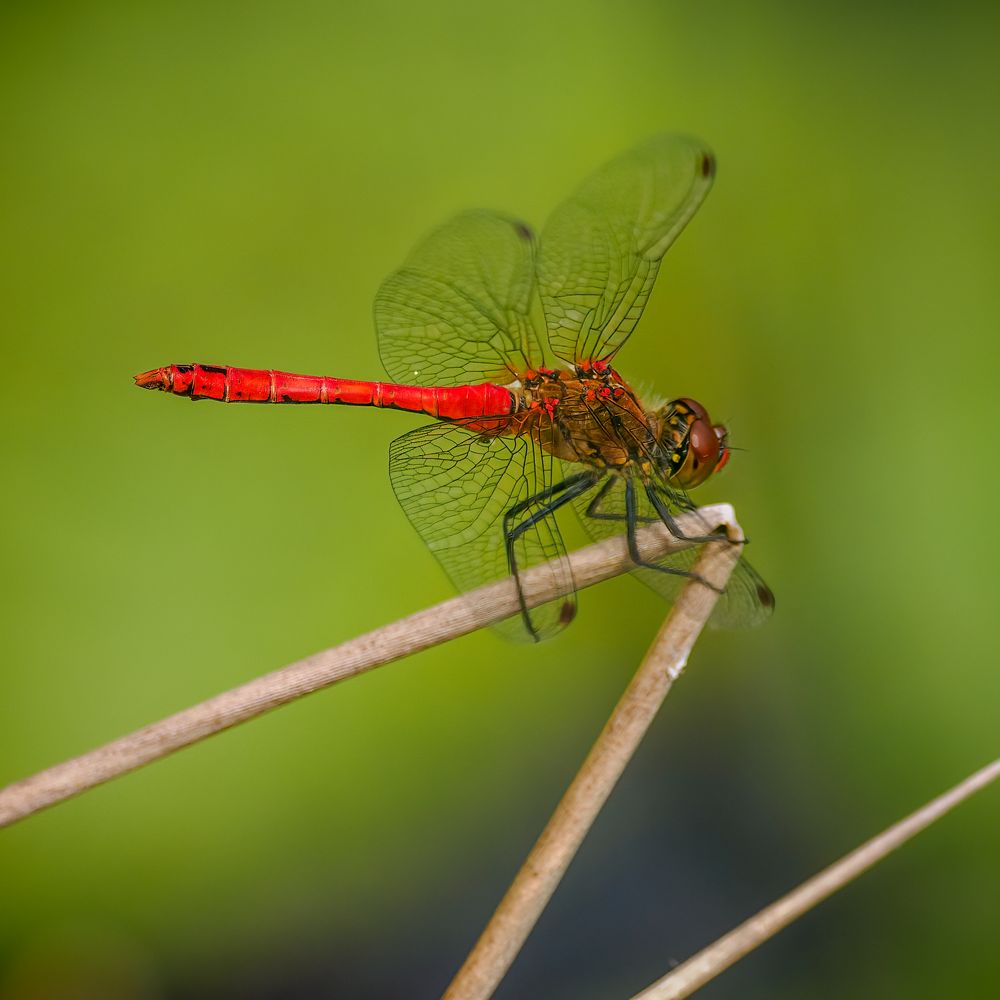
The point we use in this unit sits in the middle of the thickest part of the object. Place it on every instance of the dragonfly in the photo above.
(510, 343)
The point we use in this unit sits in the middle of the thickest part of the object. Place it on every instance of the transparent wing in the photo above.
(458, 311)
(455, 487)
(748, 601)
(600, 251)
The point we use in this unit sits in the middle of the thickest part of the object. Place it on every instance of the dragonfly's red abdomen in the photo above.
(259, 385)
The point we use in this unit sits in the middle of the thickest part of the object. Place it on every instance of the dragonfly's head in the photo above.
(691, 445)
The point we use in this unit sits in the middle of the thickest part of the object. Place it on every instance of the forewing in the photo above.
(600, 250)
(458, 311)
(455, 487)
(747, 600)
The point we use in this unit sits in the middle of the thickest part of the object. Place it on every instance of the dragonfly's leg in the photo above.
(546, 503)
(594, 511)
(633, 543)
(588, 477)
(671, 524)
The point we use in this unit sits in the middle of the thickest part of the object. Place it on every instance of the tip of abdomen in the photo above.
(158, 378)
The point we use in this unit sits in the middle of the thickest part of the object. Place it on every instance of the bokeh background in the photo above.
(229, 183)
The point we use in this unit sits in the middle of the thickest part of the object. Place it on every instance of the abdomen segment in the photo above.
(253, 385)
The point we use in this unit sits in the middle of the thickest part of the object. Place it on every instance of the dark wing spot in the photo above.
(567, 613)
(524, 231)
(765, 595)
(707, 165)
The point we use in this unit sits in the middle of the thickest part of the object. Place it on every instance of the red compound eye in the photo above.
(706, 446)
(694, 406)
(704, 443)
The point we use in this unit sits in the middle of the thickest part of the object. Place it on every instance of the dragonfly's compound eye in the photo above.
(705, 448)
(690, 408)
(693, 446)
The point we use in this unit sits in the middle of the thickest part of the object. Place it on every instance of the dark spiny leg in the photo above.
(598, 497)
(588, 477)
(633, 542)
(551, 498)
(672, 526)
(598, 515)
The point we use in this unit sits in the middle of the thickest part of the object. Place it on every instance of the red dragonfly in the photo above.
(521, 431)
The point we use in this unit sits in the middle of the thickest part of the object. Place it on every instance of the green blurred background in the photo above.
(229, 183)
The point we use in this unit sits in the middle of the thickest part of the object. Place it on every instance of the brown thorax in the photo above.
(589, 415)
(593, 416)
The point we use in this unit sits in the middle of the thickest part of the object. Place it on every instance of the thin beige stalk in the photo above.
(535, 883)
(419, 631)
(717, 957)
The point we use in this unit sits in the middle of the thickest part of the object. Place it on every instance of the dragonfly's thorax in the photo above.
(587, 414)
(590, 414)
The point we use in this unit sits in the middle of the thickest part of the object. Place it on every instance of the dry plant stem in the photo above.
(419, 631)
(550, 857)
(717, 957)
